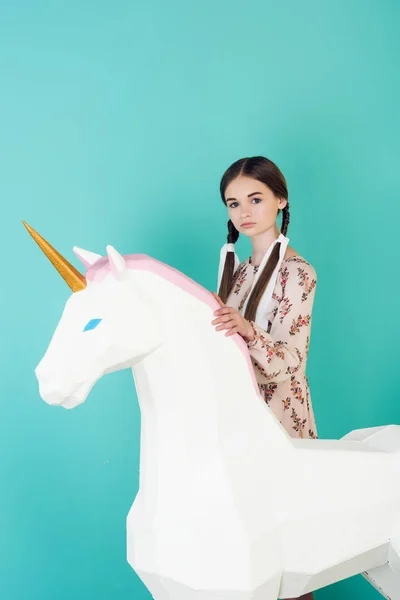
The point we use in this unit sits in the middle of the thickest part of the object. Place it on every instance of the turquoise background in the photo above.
(117, 121)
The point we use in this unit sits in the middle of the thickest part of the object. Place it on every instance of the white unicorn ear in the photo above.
(117, 262)
(87, 258)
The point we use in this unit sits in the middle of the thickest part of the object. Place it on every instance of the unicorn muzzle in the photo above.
(56, 395)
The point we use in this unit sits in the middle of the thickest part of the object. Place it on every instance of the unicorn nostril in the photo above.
(64, 394)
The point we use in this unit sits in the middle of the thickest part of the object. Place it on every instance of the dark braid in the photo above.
(233, 233)
(285, 219)
(227, 275)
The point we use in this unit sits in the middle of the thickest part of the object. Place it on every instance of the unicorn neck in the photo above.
(197, 399)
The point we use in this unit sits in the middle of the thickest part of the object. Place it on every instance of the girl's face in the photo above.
(251, 202)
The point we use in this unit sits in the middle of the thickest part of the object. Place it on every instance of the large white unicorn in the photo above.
(213, 518)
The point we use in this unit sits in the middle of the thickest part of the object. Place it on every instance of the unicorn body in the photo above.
(218, 473)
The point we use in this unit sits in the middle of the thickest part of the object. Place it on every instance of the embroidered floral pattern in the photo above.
(284, 278)
(267, 376)
(307, 395)
(240, 307)
(268, 391)
(279, 353)
(305, 282)
(284, 308)
(240, 278)
(297, 389)
(271, 350)
(276, 297)
(293, 369)
(299, 322)
(298, 423)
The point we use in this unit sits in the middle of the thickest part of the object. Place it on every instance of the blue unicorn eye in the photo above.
(92, 324)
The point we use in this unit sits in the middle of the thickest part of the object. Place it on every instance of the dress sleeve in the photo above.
(277, 355)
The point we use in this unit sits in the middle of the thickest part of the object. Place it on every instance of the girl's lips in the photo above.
(248, 224)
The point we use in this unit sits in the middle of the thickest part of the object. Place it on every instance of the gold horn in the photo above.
(75, 280)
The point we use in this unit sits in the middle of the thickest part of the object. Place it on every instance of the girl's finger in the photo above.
(223, 319)
(218, 299)
(227, 325)
(224, 311)
(231, 331)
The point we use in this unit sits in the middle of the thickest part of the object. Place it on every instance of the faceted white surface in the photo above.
(229, 507)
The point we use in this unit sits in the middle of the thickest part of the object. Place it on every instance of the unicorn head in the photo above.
(107, 324)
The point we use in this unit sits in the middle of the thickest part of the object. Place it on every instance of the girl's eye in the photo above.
(91, 324)
(235, 204)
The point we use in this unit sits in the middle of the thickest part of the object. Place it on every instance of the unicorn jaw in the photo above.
(67, 397)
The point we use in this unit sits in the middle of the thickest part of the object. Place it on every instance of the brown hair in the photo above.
(264, 170)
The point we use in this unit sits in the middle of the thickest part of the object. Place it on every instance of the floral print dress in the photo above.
(279, 355)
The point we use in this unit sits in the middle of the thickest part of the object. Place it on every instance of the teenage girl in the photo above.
(268, 298)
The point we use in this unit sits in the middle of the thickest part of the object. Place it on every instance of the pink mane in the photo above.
(102, 268)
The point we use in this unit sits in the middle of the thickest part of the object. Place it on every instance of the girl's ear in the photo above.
(282, 203)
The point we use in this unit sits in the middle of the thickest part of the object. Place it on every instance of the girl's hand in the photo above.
(231, 319)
